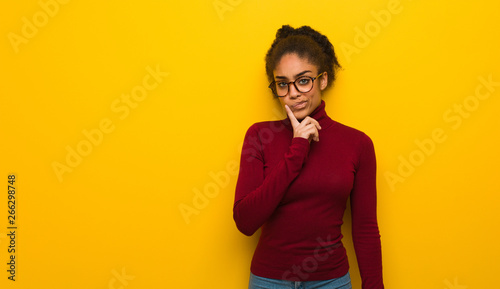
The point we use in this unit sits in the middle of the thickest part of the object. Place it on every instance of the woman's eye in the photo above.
(282, 84)
(303, 81)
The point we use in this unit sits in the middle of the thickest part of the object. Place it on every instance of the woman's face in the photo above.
(288, 69)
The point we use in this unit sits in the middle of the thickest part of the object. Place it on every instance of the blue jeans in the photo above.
(257, 282)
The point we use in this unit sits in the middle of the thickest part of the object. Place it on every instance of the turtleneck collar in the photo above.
(318, 114)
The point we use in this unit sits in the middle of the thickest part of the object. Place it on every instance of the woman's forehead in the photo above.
(291, 65)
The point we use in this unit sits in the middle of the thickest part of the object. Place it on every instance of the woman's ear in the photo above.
(323, 81)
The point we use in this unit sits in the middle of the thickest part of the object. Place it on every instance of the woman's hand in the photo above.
(307, 129)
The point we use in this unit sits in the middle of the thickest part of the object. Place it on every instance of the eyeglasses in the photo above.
(303, 84)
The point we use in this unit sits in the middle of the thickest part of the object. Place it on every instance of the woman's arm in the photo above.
(257, 197)
(365, 231)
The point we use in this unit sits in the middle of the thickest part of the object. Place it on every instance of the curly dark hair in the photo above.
(305, 42)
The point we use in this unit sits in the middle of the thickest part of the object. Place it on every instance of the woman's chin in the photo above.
(301, 114)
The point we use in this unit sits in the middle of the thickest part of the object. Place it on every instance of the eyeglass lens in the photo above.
(302, 84)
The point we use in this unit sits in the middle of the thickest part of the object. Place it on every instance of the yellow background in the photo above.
(117, 212)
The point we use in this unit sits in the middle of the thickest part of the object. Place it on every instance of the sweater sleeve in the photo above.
(365, 231)
(257, 197)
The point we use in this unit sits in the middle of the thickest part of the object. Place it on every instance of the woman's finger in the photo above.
(311, 120)
(293, 119)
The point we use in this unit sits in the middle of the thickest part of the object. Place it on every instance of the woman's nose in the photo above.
(292, 91)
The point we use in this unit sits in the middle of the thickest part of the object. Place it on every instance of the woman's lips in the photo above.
(299, 105)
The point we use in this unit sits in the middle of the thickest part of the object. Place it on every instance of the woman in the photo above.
(297, 174)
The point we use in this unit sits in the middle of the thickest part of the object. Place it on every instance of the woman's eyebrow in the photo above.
(297, 75)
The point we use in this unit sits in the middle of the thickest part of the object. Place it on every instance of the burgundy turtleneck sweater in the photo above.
(297, 192)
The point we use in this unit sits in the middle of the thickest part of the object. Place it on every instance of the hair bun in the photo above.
(285, 31)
